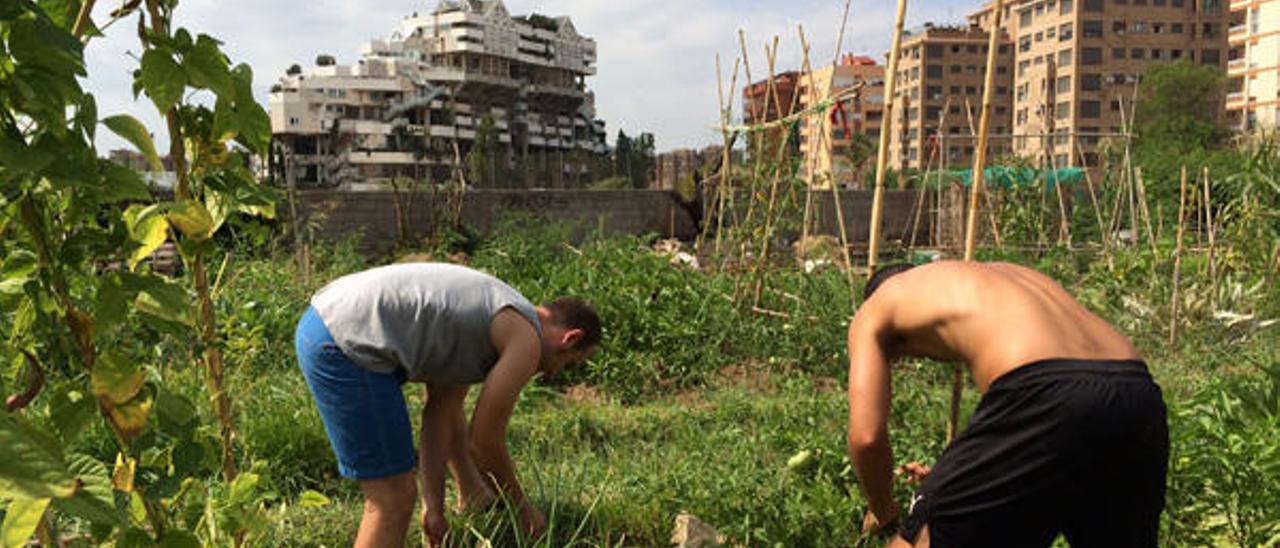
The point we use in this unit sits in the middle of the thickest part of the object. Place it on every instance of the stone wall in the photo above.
(373, 215)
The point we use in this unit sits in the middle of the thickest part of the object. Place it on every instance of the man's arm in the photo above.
(869, 395)
(518, 354)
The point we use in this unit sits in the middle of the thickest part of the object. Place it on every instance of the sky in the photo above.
(656, 59)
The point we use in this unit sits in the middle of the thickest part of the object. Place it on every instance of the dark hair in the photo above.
(881, 274)
(576, 314)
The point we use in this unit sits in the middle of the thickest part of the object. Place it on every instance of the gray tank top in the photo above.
(430, 319)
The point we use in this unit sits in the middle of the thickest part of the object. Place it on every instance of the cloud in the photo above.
(656, 58)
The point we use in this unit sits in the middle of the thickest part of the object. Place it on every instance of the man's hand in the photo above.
(531, 520)
(915, 471)
(435, 527)
(873, 525)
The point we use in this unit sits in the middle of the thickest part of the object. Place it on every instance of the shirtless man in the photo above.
(448, 327)
(1069, 437)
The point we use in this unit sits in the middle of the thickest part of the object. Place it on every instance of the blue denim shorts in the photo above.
(363, 411)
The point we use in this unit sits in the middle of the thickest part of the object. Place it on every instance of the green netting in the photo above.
(1007, 177)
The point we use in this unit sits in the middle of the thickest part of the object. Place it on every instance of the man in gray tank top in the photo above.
(448, 327)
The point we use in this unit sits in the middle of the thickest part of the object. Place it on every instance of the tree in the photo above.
(325, 60)
(622, 155)
(483, 160)
(643, 161)
(1177, 108)
(294, 69)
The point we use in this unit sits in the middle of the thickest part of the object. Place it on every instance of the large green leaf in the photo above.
(112, 306)
(16, 155)
(20, 521)
(177, 538)
(174, 411)
(207, 68)
(94, 501)
(130, 129)
(312, 499)
(123, 184)
(148, 227)
(70, 410)
(16, 271)
(193, 219)
(116, 379)
(31, 462)
(162, 78)
(165, 300)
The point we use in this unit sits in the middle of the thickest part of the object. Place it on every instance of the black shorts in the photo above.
(1078, 447)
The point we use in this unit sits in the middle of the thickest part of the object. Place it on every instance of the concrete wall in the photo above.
(373, 214)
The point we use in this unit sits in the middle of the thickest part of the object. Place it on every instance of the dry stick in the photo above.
(1208, 221)
(1144, 210)
(979, 159)
(942, 125)
(751, 180)
(823, 143)
(771, 55)
(1097, 210)
(724, 165)
(886, 128)
(1177, 259)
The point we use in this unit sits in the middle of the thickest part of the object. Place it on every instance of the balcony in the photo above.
(1236, 30)
(1235, 97)
(1236, 64)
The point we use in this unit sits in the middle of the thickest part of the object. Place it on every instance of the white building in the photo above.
(412, 106)
(1253, 64)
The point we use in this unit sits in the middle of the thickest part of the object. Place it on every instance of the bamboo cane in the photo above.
(1144, 210)
(882, 154)
(1208, 221)
(1177, 259)
(979, 159)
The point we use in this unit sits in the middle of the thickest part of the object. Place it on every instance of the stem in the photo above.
(82, 18)
(213, 361)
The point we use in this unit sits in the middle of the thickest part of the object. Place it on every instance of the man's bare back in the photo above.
(1070, 435)
(995, 317)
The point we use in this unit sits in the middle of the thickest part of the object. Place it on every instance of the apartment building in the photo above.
(1077, 64)
(415, 103)
(1253, 65)
(838, 145)
(674, 167)
(941, 79)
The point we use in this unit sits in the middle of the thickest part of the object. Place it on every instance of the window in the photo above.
(1090, 109)
(1157, 54)
(971, 48)
(1062, 110)
(1024, 44)
(971, 90)
(1094, 6)
(1039, 36)
(1175, 54)
(1022, 91)
(1002, 90)
(1065, 7)
(1118, 27)
(1091, 29)
(1023, 66)
(1040, 59)
(933, 92)
(934, 50)
(1139, 27)
(1209, 57)
(1117, 53)
(954, 109)
(933, 71)
(1158, 3)
(1021, 116)
(1176, 28)
(1137, 53)
(1064, 84)
(1024, 18)
(1001, 69)
(1157, 28)
(1088, 56)
(955, 69)
(932, 113)
(1209, 30)
(955, 90)
(1176, 3)
(1091, 82)
(1064, 32)
(1004, 48)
